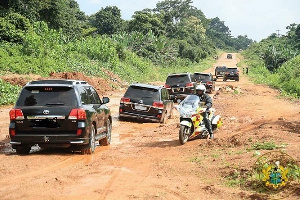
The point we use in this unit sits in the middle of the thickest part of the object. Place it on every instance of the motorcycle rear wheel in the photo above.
(184, 134)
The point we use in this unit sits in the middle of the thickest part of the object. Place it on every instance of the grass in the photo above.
(266, 146)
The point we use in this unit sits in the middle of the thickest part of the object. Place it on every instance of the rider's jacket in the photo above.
(207, 100)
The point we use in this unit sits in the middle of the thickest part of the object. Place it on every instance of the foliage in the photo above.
(14, 28)
(159, 50)
(266, 146)
(108, 20)
(275, 61)
(8, 93)
(58, 14)
(145, 22)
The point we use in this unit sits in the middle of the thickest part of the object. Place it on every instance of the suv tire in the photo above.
(92, 143)
(106, 141)
(23, 150)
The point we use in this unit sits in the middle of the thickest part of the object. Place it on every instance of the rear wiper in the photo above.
(55, 104)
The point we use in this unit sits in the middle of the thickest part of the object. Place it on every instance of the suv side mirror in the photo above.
(105, 100)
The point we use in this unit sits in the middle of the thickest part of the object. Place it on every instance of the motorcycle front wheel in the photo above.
(184, 134)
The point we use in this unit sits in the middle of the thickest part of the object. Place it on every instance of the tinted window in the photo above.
(221, 69)
(232, 70)
(204, 77)
(148, 95)
(88, 95)
(96, 99)
(41, 96)
(172, 80)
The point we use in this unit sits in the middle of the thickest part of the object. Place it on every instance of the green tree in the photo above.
(108, 20)
(59, 14)
(14, 27)
(219, 32)
(145, 21)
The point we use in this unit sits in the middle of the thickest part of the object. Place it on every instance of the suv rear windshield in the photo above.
(41, 96)
(232, 70)
(221, 69)
(172, 80)
(136, 93)
(203, 77)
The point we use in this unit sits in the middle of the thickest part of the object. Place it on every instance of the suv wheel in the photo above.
(23, 150)
(106, 141)
(92, 143)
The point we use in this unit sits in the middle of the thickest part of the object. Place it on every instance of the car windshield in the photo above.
(142, 93)
(41, 96)
(172, 80)
(202, 77)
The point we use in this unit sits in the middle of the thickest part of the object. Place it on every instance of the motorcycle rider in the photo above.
(200, 92)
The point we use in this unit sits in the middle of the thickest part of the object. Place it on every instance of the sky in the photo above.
(257, 19)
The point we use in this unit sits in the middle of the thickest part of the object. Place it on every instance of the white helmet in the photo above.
(201, 87)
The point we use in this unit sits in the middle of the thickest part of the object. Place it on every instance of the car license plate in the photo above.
(138, 107)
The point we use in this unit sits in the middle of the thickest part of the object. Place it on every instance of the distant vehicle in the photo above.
(205, 79)
(219, 71)
(232, 74)
(59, 114)
(148, 102)
(229, 56)
(180, 85)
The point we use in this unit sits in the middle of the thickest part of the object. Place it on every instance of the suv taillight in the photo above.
(189, 85)
(209, 83)
(16, 114)
(125, 100)
(167, 86)
(158, 104)
(77, 113)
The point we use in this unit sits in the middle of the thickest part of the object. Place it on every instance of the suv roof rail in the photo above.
(57, 81)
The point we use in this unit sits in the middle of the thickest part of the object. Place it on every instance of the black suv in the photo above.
(61, 114)
(180, 85)
(231, 73)
(144, 101)
(229, 56)
(205, 79)
(220, 70)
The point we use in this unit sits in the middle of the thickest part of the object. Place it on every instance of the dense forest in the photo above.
(40, 37)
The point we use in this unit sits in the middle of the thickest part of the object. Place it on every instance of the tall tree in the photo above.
(144, 22)
(64, 14)
(108, 20)
(219, 32)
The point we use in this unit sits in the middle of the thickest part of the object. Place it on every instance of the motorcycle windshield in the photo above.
(189, 105)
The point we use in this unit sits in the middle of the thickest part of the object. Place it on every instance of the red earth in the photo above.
(146, 160)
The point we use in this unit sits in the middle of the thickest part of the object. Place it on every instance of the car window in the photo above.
(171, 80)
(142, 93)
(41, 96)
(232, 70)
(221, 69)
(96, 99)
(203, 77)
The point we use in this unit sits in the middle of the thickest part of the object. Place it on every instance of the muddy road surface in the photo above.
(146, 160)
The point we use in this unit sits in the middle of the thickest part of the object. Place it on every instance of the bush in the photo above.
(8, 93)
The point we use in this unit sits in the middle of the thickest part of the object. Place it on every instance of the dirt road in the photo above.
(146, 160)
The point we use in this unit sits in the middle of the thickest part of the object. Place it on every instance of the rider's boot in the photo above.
(211, 136)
